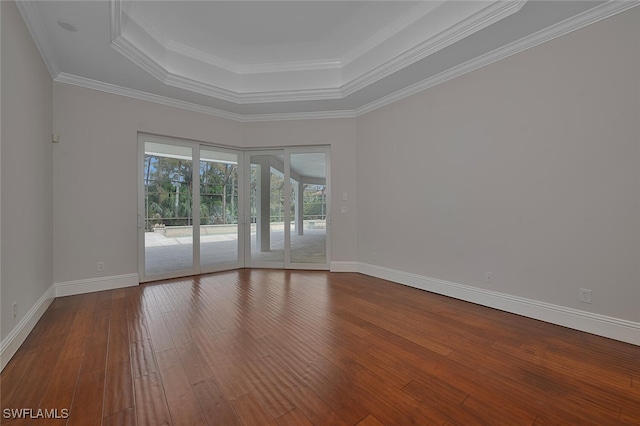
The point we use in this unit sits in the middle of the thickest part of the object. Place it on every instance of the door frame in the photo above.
(326, 150)
(195, 266)
(244, 226)
(240, 262)
(248, 259)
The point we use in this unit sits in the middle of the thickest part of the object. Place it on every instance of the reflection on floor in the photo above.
(167, 254)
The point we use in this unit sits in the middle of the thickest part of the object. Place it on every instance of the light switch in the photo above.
(344, 196)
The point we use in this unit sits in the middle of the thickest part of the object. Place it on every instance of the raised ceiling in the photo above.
(266, 60)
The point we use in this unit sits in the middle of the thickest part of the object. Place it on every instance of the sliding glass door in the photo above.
(308, 219)
(205, 209)
(266, 209)
(189, 208)
(166, 218)
(220, 207)
(288, 200)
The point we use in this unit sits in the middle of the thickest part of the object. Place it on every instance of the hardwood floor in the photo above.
(276, 347)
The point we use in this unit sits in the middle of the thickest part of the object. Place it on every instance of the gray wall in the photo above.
(26, 169)
(527, 168)
(95, 174)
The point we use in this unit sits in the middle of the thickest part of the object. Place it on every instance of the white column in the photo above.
(300, 208)
(264, 221)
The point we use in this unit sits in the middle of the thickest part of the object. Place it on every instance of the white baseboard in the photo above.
(601, 325)
(18, 335)
(69, 288)
(344, 266)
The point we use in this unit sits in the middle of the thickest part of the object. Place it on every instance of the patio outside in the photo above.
(171, 249)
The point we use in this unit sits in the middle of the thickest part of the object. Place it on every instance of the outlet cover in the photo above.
(584, 295)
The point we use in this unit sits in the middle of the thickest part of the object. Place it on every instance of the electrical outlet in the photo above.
(100, 266)
(374, 257)
(584, 295)
(488, 277)
(14, 308)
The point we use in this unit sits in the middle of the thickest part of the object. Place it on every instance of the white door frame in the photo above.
(194, 270)
(288, 264)
(248, 259)
(244, 226)
(239, 263)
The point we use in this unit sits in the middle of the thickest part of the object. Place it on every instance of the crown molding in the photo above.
(409, 18)
(390, 30)
(559, 29)
(143, 96)
(163, 100)
(190, 52)
(135, 55)
(314, 115)
(331, 86)
(584, 19)
(115, 19)
(490, 15)
(142, 21)
(185, 83)
(36, 28)
(240, 69)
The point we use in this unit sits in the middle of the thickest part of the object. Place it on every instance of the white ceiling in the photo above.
(259, 60)
(250, 33)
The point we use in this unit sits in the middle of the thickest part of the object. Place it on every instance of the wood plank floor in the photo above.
(275, 347)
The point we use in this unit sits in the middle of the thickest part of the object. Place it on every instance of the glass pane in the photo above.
(218, 208)
(168, 203)
(267, 207)
(309, 240)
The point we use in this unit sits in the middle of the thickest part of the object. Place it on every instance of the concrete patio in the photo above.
(173, 253)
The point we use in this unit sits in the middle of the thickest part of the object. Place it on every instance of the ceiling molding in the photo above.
(315, 115)
(251, 98)
(188, 51)
(390, 30)
(132, 53)
(462, 21)
(36, 28)
(163, 100)
(123, 46)
(576, 22)
(492, 14)
(182, 49)
(143, 96)
(114, 24)
(386, 32)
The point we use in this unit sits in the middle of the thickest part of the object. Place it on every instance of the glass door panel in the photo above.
(168, 201)
(266, 209)
(204, 209)
(219, 207)
(309, 211)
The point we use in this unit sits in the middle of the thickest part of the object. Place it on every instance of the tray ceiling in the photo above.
(259, 60)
